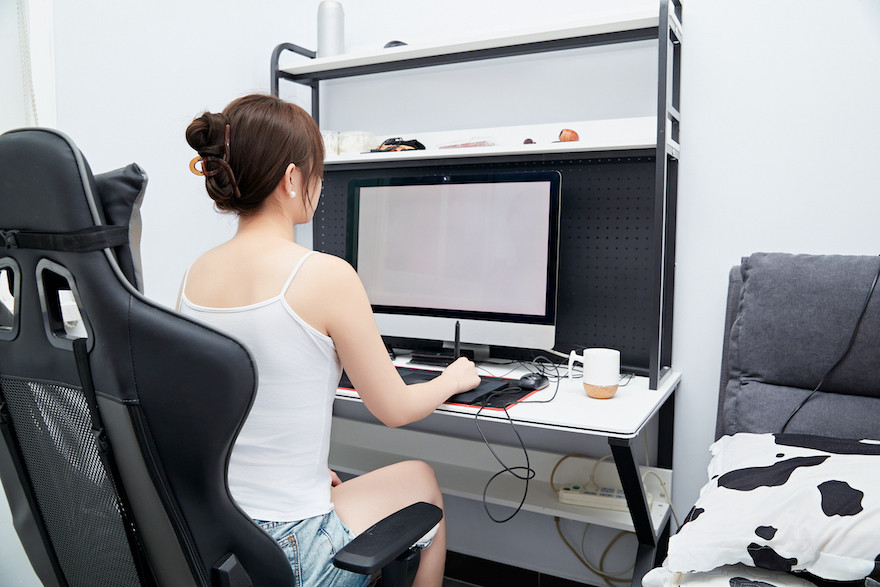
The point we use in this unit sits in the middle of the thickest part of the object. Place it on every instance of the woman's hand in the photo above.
(334, 479)
(464, 373)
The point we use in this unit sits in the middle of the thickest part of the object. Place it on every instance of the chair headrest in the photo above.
(40, 168)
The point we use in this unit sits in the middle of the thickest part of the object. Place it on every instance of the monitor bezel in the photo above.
(553, 219)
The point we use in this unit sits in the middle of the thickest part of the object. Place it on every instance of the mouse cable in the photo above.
(514, 367)
(545, 366)
(550, 370)
(849, 347)
(529, 472)
(539, 364)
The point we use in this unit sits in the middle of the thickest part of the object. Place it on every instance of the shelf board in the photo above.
(468, 483)
(621, 134)
(600, 29)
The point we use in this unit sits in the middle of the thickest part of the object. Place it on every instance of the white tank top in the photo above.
(278, 469)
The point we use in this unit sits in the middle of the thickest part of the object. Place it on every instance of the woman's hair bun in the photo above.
(209, 135)
(206, 134)
(246, 150)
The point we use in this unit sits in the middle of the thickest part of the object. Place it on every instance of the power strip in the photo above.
(604, 498)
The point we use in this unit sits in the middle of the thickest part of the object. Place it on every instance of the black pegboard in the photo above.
(606, 257)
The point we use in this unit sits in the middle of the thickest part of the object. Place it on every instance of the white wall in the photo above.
(779, 151)
(27, 66)
(779, 130)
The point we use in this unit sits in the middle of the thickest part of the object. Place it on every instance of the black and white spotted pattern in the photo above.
(788, 503)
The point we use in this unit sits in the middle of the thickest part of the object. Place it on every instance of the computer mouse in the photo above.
(532, 381)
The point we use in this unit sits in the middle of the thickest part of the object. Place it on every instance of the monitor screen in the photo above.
(478, 249)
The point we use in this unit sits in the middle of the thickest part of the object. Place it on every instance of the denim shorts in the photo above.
(310, 546)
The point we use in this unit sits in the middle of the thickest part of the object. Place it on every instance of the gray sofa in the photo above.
(793, 494)
(789, 319)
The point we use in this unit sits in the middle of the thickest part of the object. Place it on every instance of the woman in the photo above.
(303, 315)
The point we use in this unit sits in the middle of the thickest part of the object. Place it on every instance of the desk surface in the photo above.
(622, 416)
(571, 414)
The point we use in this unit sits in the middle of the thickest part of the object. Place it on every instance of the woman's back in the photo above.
(278, 467)
(302, 315)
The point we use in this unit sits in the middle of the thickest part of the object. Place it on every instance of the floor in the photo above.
(15, 570)
(467, 571)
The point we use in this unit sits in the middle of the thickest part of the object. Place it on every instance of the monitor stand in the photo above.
(446, 355)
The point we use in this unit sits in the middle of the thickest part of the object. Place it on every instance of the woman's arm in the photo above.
(344, 310)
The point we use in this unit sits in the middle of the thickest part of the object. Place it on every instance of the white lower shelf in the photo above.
(505, 490)
(624, 134)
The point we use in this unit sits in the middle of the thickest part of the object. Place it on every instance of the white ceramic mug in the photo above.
(601, 371)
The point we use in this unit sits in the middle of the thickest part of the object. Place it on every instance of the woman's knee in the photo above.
(420, 475)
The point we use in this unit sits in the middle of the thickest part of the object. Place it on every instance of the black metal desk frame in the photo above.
(652, 545)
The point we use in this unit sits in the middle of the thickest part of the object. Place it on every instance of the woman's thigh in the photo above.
(366, 499)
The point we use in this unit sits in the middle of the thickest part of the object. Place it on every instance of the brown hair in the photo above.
(266, 135)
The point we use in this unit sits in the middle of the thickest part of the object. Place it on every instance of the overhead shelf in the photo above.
(599, 29)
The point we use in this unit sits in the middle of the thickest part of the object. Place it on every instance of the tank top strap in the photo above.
(294, 272)
(183, 287)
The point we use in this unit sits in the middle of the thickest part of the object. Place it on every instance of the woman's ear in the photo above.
(289, 184)
(290, 177)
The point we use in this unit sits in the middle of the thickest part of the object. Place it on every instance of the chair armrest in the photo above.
(388, 539)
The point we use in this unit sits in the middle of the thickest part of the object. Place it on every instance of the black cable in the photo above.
(549, 369)
(554, 376)
(529, 472)
(849, 347)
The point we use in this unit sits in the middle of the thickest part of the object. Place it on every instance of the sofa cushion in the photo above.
(794, 320)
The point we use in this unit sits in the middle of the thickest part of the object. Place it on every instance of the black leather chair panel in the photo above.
(173, 393)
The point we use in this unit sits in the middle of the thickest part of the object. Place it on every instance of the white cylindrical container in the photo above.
(331, 29)
(601, 371)
(601, 367)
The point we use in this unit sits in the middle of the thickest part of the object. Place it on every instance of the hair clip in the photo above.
(193, 168)
(226, 144)
(223, 163)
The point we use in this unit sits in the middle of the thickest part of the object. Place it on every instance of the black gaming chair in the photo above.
(117, 414)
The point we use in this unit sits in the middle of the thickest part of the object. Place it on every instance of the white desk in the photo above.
(570, 415)
(622, 416)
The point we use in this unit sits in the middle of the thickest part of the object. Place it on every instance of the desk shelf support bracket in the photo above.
(276, 74)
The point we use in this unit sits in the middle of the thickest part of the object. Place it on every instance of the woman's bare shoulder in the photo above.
(330, 269)
(330, 262)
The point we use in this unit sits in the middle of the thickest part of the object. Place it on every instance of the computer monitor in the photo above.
(478, 249)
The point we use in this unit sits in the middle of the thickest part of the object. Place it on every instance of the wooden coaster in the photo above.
(600, 392)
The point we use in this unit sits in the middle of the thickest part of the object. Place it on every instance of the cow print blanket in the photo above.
(786, 502)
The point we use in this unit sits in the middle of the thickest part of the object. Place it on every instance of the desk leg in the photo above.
(666, 432)
(630, 479)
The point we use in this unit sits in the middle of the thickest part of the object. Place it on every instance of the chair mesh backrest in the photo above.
(75, 494)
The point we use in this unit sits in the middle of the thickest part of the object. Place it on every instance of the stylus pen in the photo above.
(456, 350)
